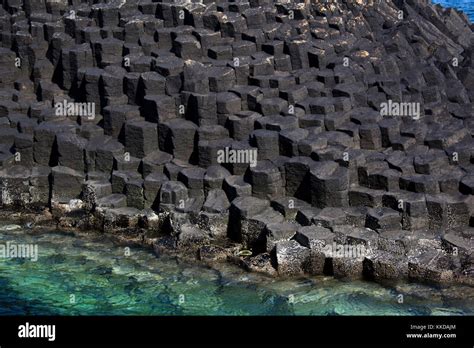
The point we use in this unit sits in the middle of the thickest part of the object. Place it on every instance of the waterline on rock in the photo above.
(467, 6)
(94, 272)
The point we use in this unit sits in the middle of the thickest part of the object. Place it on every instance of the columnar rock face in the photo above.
(293, 128)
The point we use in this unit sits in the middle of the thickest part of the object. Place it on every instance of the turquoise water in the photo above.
(466, 6)
(90, 275)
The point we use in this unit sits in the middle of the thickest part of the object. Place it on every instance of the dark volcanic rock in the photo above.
(280, 127)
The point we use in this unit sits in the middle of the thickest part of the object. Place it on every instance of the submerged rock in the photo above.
(10, 227)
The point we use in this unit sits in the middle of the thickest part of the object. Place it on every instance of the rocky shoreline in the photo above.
(291, 138)
(399, 259)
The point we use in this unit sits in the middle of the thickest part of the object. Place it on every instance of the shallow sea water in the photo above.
(103, 281)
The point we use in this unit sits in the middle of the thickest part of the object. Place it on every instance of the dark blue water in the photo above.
(467, 6)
